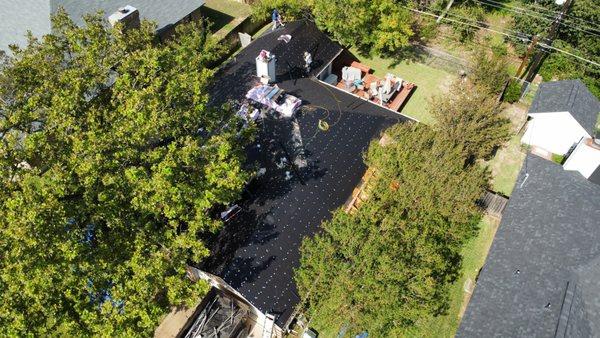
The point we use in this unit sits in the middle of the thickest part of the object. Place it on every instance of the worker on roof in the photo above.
(307, 62)
(276, 17)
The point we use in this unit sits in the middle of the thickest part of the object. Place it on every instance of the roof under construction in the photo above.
(219, 316)
(259, 249)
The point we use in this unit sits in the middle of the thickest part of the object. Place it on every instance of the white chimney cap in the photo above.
(121, 14)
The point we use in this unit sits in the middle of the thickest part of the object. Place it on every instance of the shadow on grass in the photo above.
(217, 18)
(408, 54)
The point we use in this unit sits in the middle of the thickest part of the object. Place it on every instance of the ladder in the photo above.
(268, 326)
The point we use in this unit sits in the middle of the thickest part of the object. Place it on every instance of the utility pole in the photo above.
(540, 55)
(445, 11)
(527, 54)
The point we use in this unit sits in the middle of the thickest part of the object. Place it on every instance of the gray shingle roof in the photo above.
(595, 177)
(568, 95)
(18, 16)
(541, 276)
(163, 12)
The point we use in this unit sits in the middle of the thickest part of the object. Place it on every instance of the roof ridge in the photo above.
(573, 95)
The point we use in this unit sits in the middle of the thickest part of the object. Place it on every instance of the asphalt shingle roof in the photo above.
(262, 245)
(568, 95)
(18, 16)
(541, 276)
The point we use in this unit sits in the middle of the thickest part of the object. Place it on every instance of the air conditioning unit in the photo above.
(128, 16)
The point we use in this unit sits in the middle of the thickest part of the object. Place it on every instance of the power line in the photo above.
(557, 12)
(468, 23)
(518, 34)
(503, 5)
(519, 10)
(551, 15)
(554, 12)
(544, 45)
(505, 34)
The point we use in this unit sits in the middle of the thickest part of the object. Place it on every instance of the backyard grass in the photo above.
(430, 81)
(225, 14)
(506, 164)
(474, 254)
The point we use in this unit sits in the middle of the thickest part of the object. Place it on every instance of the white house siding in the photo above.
(554, 132)
(585, 159)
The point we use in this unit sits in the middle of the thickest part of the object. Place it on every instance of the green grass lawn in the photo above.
(225, 14)
(474, 254)
(506, 164)
(430, 81)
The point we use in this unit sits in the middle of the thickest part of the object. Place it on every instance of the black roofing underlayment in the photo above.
(542, 275)
(260, 247)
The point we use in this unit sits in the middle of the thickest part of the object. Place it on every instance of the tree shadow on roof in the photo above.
(246, 270)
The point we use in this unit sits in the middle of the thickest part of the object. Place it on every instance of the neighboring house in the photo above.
(19, 16)
(541, 277)
(563, 122)
(562, 113)
(585, 159)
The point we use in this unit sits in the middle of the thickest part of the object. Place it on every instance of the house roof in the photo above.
(540, 277)
(238, 76)
(22, 15)
(260, 247)
(595, 176)
(568, 95)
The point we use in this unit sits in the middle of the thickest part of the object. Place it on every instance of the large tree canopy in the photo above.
(391, 262)
(471, 118)
(109, 161)
(370, 25)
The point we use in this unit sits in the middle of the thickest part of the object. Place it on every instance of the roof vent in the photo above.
(128, 16)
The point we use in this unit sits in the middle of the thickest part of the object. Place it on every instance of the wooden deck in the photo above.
(394, 104)
(493, 204)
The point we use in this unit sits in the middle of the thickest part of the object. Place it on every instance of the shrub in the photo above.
(513, 92)
(475, 15)
(490, 71)
(558, 158)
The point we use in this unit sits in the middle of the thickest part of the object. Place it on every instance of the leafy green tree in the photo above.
(472, 14)
(490, 71)
(513, 92)
(377, 26)
(470, 118)
(391, 262)
(109, 161)
(559, 66)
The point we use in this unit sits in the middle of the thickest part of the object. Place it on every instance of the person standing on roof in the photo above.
(307, 62)
(276, 17)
